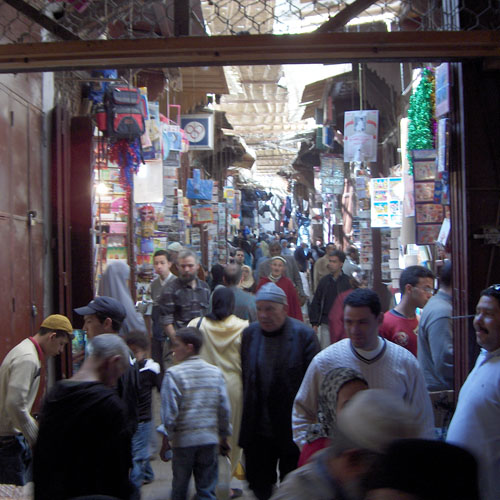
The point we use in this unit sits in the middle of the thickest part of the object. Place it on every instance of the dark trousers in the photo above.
(262, 458)
(15, 460)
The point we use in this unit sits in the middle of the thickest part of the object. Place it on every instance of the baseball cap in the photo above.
(58, 322)
(175, 247)
(106, 305)
(271, 293)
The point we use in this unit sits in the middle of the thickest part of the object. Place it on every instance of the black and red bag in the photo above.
(125, 112)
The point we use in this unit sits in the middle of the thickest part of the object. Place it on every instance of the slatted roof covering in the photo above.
(260, 113)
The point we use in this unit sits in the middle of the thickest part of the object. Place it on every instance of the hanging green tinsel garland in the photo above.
(421, 121)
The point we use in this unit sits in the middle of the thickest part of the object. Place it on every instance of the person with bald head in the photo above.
(275, 353)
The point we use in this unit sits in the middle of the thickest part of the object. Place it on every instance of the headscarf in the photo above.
(273, 278)
(217, 273)
(222, 304)
(333, 381)
(249, 282)
(113, 283)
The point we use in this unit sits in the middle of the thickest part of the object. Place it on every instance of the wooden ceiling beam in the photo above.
(250, 49)
(345, 15)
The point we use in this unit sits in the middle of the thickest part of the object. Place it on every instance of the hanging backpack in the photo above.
(125, 112)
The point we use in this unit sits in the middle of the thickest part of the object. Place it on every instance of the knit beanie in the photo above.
(271, 293)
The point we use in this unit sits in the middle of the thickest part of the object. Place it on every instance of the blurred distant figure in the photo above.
(302, 256)
(247, 283)
(244, 303)
(321, 268)
(217, 272)
(351, 265)
(284, 248)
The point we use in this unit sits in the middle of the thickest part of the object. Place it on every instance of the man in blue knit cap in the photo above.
(275, 353)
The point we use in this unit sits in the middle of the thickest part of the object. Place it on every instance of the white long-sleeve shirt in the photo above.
(475, 424)
(393, 368)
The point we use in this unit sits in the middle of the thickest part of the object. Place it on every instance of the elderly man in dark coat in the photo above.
(275, 353)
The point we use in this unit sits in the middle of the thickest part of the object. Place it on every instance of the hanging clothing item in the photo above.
(113, 283)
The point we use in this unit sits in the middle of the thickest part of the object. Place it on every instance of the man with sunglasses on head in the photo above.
(475, 424)
(400, 325)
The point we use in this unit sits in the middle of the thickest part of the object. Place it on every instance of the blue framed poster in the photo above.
(199, 130)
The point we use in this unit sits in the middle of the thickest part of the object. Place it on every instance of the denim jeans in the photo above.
(15, 460)
(141, 468)
(202, 461)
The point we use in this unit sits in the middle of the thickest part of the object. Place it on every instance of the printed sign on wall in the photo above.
(199, 130)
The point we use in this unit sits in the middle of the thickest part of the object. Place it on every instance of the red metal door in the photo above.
(21, 255)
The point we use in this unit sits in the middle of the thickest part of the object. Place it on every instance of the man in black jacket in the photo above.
(275, 353)
(83, 446)
(329, 287)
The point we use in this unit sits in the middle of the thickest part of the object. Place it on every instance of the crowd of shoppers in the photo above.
(284, 362)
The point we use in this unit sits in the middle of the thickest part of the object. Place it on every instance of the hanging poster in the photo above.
(387, 202)
(360, 135)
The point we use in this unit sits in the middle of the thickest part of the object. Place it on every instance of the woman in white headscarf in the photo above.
(114, 283)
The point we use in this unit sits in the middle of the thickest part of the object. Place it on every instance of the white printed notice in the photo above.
(360, 135)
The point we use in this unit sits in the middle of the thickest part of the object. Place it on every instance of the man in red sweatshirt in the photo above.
(400, 325)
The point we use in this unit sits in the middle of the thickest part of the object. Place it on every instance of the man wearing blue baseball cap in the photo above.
(102, 315)
(105, 315)
(275, 353)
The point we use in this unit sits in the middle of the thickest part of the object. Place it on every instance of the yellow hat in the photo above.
(58, 322)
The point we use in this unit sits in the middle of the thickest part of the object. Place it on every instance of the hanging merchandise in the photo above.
(332, 174)
(421, 125)
(387, 202)
(197, 188)
(127, 155)
(125, 112)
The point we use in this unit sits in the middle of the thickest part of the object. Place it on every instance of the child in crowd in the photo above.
(149, 376)
(196, 415)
